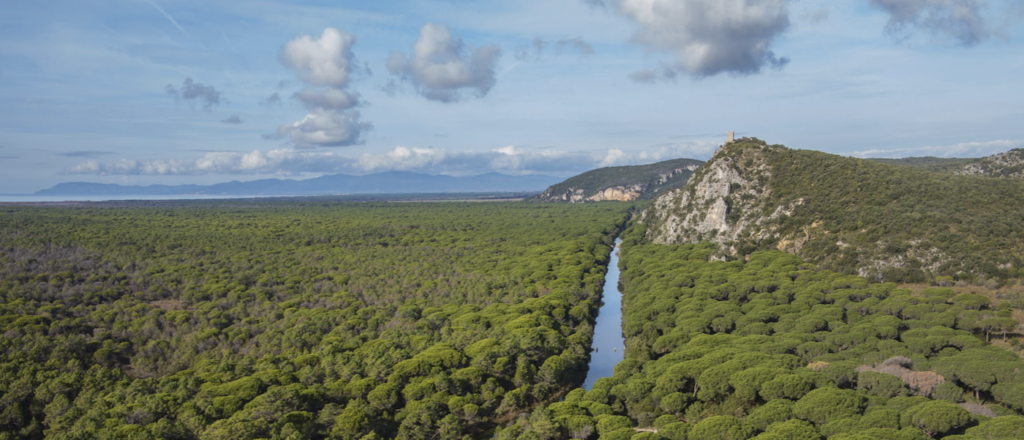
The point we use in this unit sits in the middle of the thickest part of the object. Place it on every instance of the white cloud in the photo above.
(708, 37)
(325, 127)
(963, 149)
(325, 65)
(324, 61)
(615, 156)
(441, 67)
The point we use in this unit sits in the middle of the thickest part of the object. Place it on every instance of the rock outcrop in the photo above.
(725, 201)
(1009, 164)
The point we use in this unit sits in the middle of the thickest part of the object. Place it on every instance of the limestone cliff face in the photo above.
(1009, 164)
(728, 199)
(620, 183)
(620, 193)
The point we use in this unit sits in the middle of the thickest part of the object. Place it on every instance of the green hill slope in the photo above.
(621, 183)
(852, 215)
(942, 164)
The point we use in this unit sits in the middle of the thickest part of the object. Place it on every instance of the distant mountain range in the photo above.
(623, 183)
(381, 183)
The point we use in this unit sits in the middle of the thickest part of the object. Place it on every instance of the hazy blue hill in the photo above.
(86, 188)
(388, 182)
(621, 183)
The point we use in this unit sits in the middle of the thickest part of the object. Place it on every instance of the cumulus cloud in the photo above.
(325, 65)
(325, 61)
(442, 68)
(614, 157)
(287, 162)
(963, 149)
(708, 37)
(195, 92)
(233, 119)
(326, 128)
(957, 19)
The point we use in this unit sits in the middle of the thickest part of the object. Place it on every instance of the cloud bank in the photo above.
(706, 37)
(442, 68)
(957, 19)
(287, 162)
(325, 65)
(963, 149)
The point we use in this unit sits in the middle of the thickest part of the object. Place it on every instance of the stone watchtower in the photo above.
(730, 137)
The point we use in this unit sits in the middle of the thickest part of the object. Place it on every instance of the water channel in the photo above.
(607, 348)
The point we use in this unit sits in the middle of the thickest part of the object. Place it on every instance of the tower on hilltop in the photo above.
(730, 137)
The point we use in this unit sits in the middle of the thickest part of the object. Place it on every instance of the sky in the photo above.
(186, 91)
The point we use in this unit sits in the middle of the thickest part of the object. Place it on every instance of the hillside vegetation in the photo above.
(941, 164)
(294, 320)
(773, 348)
(621, 183)
(880, 221)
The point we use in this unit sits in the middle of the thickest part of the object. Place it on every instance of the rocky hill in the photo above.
(852, 215)
(621, 183)
(1009, 164)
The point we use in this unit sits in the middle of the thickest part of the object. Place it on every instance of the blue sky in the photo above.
(180, 91)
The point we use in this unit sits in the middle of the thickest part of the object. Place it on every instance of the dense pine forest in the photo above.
(319, 319)
(252, 320)
(774, 348)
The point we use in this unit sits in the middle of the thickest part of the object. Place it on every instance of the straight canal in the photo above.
(608, 346)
